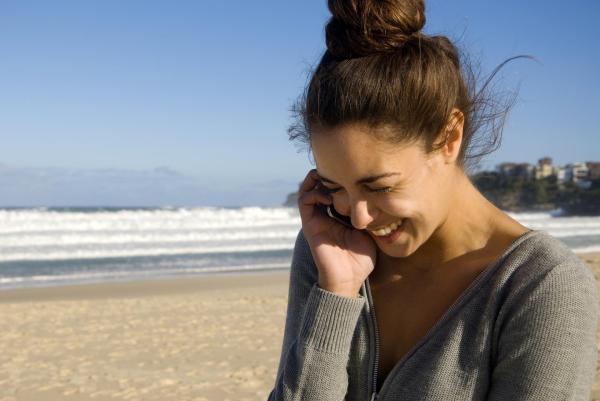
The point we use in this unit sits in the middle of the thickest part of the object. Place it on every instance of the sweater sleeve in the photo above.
(318, 332)
(546, 348)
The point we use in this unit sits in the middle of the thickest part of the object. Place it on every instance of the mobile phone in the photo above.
(334, 214)
(331, 212)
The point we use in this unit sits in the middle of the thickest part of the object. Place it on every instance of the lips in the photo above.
(386, 230)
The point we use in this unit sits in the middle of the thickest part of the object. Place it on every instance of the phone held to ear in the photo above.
(331, 212)
(334, 214)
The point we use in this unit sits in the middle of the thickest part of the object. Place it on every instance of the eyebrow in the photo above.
(365, 180)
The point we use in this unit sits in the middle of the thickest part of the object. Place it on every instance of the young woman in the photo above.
(432, 293)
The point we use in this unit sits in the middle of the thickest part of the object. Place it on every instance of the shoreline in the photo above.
(146, 287)
(158, 286)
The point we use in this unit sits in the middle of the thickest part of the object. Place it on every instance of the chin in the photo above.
(396, 251)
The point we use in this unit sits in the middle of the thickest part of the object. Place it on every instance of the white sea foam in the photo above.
(205, 218)
(40, 280)
(137, 252)
(587, 249)
(560, 226)
(42, 234)
(62, 238)
(170, 241)
(39, 234)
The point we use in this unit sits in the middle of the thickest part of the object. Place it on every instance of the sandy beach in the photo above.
(212, 338)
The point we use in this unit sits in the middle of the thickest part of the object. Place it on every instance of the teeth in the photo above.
(386, 230)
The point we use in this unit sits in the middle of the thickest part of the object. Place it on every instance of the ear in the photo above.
(452, 136)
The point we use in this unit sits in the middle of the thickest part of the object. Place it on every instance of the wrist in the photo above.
(341, 291)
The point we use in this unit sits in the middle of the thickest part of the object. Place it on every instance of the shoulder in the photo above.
(538, 256)
(542, 276)
(544, 331)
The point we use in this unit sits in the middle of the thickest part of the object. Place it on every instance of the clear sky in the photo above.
(195, 95)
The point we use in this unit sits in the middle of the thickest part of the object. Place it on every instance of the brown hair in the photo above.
(381, 70)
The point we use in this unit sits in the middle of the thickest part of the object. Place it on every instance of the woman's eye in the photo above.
(386, 189)
(379, 190)
(330, 190)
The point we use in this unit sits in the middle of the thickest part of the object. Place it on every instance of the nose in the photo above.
(360, 215)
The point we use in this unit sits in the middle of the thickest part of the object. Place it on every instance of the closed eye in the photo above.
(386, 189)
(378, 190)
(330, 190)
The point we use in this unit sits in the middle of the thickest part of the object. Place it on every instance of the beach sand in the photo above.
(213, 338)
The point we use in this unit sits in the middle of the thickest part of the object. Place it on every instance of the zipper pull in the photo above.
(374, 396)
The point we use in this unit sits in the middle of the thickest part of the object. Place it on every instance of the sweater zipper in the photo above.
(374, 321)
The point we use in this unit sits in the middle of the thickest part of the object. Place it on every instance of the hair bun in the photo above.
(362, 27)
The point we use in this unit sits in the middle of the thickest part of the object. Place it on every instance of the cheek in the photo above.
(402, 206)
(419, 207)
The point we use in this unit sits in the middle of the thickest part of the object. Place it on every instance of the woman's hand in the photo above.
(344, 256)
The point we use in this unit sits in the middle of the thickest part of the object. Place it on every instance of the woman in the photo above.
(432, 293)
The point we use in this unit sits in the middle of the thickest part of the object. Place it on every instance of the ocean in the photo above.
(56, 246)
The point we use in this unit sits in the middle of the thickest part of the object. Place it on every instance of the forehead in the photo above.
(354, 136)
(355, 150)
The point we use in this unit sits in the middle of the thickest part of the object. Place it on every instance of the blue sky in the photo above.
(194, 95)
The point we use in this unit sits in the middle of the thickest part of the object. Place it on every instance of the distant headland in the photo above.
(520, 187)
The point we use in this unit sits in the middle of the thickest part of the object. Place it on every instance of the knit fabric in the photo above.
(525, 329)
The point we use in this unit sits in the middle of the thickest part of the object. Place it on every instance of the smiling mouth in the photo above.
(387, 230)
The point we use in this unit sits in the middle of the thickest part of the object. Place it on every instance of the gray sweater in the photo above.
(525, 329)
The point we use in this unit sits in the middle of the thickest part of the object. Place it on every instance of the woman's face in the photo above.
(414, 188)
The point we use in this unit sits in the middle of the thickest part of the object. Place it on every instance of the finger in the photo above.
(310, 181)
(312, 197)
(308, 201)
